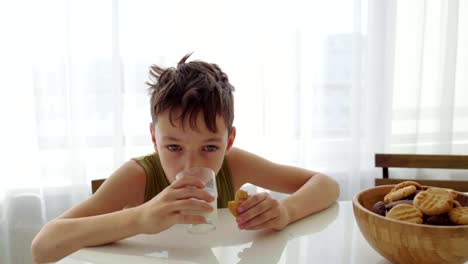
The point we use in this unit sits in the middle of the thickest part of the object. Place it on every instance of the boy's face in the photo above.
(181, 149)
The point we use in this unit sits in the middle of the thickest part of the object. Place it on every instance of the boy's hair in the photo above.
(192, 87)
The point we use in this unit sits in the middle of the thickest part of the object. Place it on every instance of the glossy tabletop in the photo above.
(330, 236)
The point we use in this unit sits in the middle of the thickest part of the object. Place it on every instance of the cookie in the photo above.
(411, 197)
(462, 199)
(434, 201)
(240, 197)
(442, 219)
(395, 203)
(451, 192)
(399, 194)
(379, 208)
(407, 183)
(406, 213)
(232, 206)
(459, 215)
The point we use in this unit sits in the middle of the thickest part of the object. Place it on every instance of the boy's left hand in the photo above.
(261, 211)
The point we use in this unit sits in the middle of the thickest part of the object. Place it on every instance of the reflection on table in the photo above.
(330, 236)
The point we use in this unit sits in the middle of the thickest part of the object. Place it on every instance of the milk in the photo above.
(211, 217)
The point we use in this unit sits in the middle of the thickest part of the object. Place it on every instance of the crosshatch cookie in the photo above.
(451, 192)
(434, 201)
(411, 197)
(407, 183)
(407, 213)
(399, 194)
(459, 215)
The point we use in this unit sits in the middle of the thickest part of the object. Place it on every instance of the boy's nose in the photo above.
(191, 161)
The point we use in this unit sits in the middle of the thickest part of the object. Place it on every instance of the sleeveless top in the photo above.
(156, 179)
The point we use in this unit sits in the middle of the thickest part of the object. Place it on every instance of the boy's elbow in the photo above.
(38, 251)
(333, 188)
(42, 248)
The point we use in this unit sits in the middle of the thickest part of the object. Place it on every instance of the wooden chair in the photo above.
(386, 161)
(95, 184)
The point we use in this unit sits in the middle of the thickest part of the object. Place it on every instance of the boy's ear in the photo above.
(231, 138)
(153, 137)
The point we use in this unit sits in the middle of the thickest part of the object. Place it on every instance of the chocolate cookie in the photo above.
(392, 204)
(442, 219)
(379, 208)
(462, 199)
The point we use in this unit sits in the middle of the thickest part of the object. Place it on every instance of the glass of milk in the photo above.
(208, 177)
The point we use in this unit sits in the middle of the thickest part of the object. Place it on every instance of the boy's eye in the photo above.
(210, 148)
(173, 147)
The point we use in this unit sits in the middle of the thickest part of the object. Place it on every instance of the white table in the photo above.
(330, 236)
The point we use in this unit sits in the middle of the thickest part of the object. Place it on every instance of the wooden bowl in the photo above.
(402, 242)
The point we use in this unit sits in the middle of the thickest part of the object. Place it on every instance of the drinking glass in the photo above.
(208, 177)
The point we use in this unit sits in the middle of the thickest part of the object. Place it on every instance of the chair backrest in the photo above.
(386, 161)
(95, 184)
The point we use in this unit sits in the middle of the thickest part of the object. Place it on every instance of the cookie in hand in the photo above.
(241, 196)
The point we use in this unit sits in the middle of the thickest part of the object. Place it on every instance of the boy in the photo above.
(192, 116)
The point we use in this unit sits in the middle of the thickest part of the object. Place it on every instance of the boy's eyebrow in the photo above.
(169, 138)
(212, 139)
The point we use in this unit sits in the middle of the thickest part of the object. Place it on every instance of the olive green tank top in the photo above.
(156, 179)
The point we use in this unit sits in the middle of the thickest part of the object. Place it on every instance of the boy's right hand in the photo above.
(167, 208)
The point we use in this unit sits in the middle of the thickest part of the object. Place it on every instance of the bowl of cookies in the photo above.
(410, 223)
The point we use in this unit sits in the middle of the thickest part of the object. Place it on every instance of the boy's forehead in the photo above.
(163, 122)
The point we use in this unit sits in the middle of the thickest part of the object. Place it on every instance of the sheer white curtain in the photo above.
(430, 82)
(319, 84)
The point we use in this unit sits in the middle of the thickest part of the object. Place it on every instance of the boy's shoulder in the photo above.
(129, 178)
(239, 156)
(250, 168)
(241, 162)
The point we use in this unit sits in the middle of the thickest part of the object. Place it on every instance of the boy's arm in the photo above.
(310, 191)
(99, 217)
(61, 237)
(101, 220)
(318, 193)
